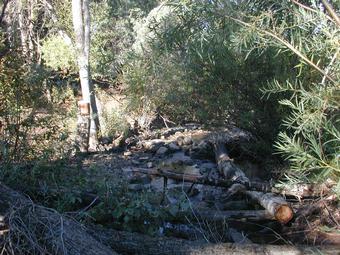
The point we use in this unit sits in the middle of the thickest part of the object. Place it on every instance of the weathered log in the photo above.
(255, 215)
(299, 190)
(34, 229)
(302, 190)
(200, 179)
(133, 243)
(275, 205)
(226, 166)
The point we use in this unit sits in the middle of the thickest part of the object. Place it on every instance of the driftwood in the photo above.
(33, 229)
(133, 243)
(275, 205)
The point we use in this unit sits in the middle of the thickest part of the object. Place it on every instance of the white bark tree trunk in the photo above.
(22, 27)
(81, 24)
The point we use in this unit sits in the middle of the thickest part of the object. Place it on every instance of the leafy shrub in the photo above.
(58, 53)
(310, 141)
(187, 65)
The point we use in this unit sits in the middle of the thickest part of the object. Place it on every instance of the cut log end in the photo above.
(284, 213)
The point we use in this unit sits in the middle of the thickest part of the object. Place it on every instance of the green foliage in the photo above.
(71, 188)
(129, 210)
(58, 53)
(186, 65)
(113, 119)
(27, 132)
(311, 138)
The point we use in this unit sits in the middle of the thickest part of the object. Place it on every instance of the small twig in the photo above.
(61, 235)
(330, 214)
(165, 120)
(89, 206)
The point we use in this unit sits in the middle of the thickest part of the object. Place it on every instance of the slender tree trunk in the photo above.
(22, 27)
(81, 23)
(95, 126)
(30, 32)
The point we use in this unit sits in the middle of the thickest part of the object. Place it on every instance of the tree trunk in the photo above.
(133, 243)
(34, 229)
(95, 126)
(22, 27)
(81, 24)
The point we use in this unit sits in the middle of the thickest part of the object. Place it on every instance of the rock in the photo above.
(180, 156)
(106, 140)
(203, 150)
(187, 140)
(162, 150)
(127, 153)
(157, 184)
(177, 159)
(208, 166)
(184, 140)
(135, 162)
(180, 140)
(173, 146)
(153, 145)
(141, 179)
(138, 187)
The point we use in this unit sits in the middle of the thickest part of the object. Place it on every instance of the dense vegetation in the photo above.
(269, 67)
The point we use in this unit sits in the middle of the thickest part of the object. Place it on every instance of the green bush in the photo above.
(58, 53)
(186, 64)
(310, 140)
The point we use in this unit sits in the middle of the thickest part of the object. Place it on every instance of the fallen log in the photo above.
(226, 166)
(200, 179)
(33, 229)
(134, 243)
(255, 215)
(303, 190)
(275, 205)
(306, 190)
